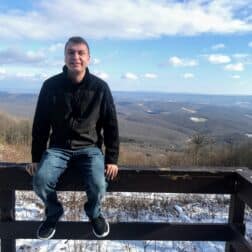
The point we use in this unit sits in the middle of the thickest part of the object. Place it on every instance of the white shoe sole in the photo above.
(52, 234)
(45, 238)
(104, 234)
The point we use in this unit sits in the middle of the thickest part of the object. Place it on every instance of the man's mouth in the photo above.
(75, 64)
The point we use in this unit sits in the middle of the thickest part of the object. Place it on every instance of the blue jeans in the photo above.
(90, 162)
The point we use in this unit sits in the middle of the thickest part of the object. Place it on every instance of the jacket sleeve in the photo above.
(110, 128)
(41, 125)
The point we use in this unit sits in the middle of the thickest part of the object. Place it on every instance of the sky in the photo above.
(182, 46)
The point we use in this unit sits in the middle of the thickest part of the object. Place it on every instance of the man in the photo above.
(74, 107)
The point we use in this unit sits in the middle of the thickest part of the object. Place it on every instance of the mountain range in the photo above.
(164, 120)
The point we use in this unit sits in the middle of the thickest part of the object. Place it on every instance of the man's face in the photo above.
(76, 57)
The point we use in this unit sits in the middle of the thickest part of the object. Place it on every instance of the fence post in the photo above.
(236, 217)
(7, 213)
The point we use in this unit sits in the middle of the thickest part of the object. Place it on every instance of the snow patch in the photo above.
(242, 103)
(249, 116)
(189, 110)
(198, 119)
(120, 207)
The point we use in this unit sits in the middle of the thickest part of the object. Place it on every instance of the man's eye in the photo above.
(81, 53)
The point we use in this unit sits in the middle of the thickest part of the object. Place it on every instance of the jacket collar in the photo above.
(85, 81)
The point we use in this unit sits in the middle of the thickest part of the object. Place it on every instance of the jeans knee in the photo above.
(38, 183)
(97, 189)
(101, 187)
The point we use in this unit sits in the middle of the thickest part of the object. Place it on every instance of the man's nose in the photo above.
(75, 55)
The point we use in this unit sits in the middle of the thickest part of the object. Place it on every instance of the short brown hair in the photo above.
(77, 40)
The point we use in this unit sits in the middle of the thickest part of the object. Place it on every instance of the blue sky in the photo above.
(196, 46)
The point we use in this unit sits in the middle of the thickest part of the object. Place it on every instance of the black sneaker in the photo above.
(100, 226)
(48, 227)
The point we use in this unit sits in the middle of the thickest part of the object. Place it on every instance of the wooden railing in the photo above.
(205, 180)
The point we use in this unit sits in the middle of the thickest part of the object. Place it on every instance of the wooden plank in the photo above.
(8, 245)
(124, 231)
(7, 213)
(7, 205)
(245, 173)
(174, 182)
(244, 188)
(172, 179)
(239, 243)
(236, 213)
(207, 169)
(128, 180)
(235, 217)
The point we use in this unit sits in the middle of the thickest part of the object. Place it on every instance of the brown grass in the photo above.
(240, 155)
(17, 153)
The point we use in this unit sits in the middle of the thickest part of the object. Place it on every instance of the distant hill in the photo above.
(164, 120)
(220, 100)
(21, 105)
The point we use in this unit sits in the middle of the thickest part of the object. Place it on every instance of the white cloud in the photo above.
(50, 20)
(55, 47)
(240, 56)
(129, 76)
(150, 76)
(16, 55)
(218, 46)
(218, 58)
(180, 62)
(34, 56)
(42, 76)
(188, 76)
(29, 76)
(24, 75)
(236, 76)
(95, 61)
(175, 61)
(2, 71)
(55, 63)
(102, 75)
(235, 67)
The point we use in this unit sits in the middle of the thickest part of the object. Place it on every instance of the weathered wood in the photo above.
(7, 214)
(187, 182)
(244, 185)
(239, 243)
(8, 245)
(236, 217)
(219, 180)
(212, 169)
(236, 213)
(245, 173)
(160, 180)
(7, 204)
(125, 231)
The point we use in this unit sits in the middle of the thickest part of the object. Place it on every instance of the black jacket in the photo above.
(75, 115)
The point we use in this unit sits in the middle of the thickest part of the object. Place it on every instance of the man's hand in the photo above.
(31, 168)
(111, 171)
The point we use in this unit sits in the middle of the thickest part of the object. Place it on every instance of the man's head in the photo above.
(77, 54)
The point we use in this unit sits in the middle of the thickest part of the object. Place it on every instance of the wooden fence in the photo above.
(205, 180)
